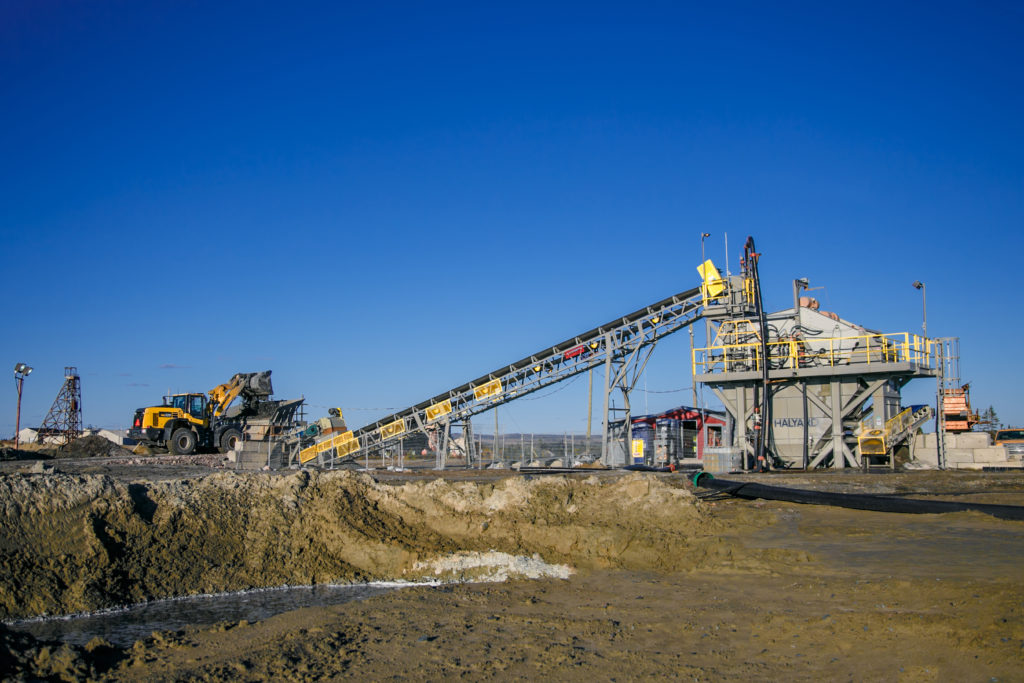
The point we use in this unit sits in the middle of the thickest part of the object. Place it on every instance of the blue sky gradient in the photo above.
(382, 201)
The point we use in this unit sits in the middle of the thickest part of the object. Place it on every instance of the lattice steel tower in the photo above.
(65, 417)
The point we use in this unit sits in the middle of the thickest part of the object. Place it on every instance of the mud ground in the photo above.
(666, 583)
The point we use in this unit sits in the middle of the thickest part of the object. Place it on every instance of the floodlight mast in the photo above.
(21, 371)
(917, 284)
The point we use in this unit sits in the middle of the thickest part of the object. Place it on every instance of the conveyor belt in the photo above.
(614, 341)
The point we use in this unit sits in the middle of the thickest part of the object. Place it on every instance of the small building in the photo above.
(673, 437)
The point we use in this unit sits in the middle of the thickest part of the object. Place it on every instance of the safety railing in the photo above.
(793, 354)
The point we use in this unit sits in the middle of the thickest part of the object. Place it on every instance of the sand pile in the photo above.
(77, 543)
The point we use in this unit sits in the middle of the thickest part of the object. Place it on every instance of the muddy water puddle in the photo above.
(875, 543)
(124, 626)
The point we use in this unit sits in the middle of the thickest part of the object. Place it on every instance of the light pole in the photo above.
(699, 399)
(799, 284)
(21, 371)
(924, 305)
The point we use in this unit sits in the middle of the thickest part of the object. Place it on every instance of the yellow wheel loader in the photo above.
(190, 423)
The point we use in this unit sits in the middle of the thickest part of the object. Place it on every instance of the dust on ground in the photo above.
(665, 583)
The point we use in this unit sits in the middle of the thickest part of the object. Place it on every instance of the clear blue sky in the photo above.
(380, 202)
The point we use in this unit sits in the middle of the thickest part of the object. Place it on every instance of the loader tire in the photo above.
(230, 440)
(183, 442)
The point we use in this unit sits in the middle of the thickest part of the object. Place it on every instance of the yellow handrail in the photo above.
(897, 347)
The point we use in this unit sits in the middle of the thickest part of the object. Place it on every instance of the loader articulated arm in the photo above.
(249, 385)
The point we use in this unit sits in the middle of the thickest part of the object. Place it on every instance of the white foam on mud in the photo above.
(493, 566)
(465, 567)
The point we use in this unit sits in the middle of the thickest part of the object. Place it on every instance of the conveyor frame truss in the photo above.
(618, 343)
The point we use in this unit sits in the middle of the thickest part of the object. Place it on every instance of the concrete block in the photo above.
(969, 440)
(928, 456)
(956, 455)
(250, 460)
(966, 466)
(991, 454)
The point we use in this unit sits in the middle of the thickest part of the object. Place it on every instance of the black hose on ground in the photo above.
(857, 501)
(648, 468)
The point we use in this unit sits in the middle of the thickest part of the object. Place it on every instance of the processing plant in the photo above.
(801, 387)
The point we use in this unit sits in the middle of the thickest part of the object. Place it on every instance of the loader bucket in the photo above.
(258, 384)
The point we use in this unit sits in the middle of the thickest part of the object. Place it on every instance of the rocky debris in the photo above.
(211, 460)
(23, 657)
(39, 468)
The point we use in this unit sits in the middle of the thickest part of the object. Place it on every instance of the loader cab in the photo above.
(193, 404)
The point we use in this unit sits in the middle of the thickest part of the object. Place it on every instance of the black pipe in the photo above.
(857, 501)
(750, 259)
(649, 468)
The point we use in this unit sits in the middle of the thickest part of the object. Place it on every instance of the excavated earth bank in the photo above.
(663, 584)
(78, 543)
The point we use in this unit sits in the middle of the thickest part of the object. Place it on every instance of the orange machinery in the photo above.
(956, 409)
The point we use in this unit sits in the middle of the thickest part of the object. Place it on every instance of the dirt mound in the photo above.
(93, 446)
(77, 543)
(7, 453)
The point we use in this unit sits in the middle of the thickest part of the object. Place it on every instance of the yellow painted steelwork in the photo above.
(492, 388)
(900, 347)
(879, 441)
(736, 332)
(307, 454)
(872, 443)
(324, 446)
(345, 443)
(393, 429)
(439, 410)
(712, 285)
